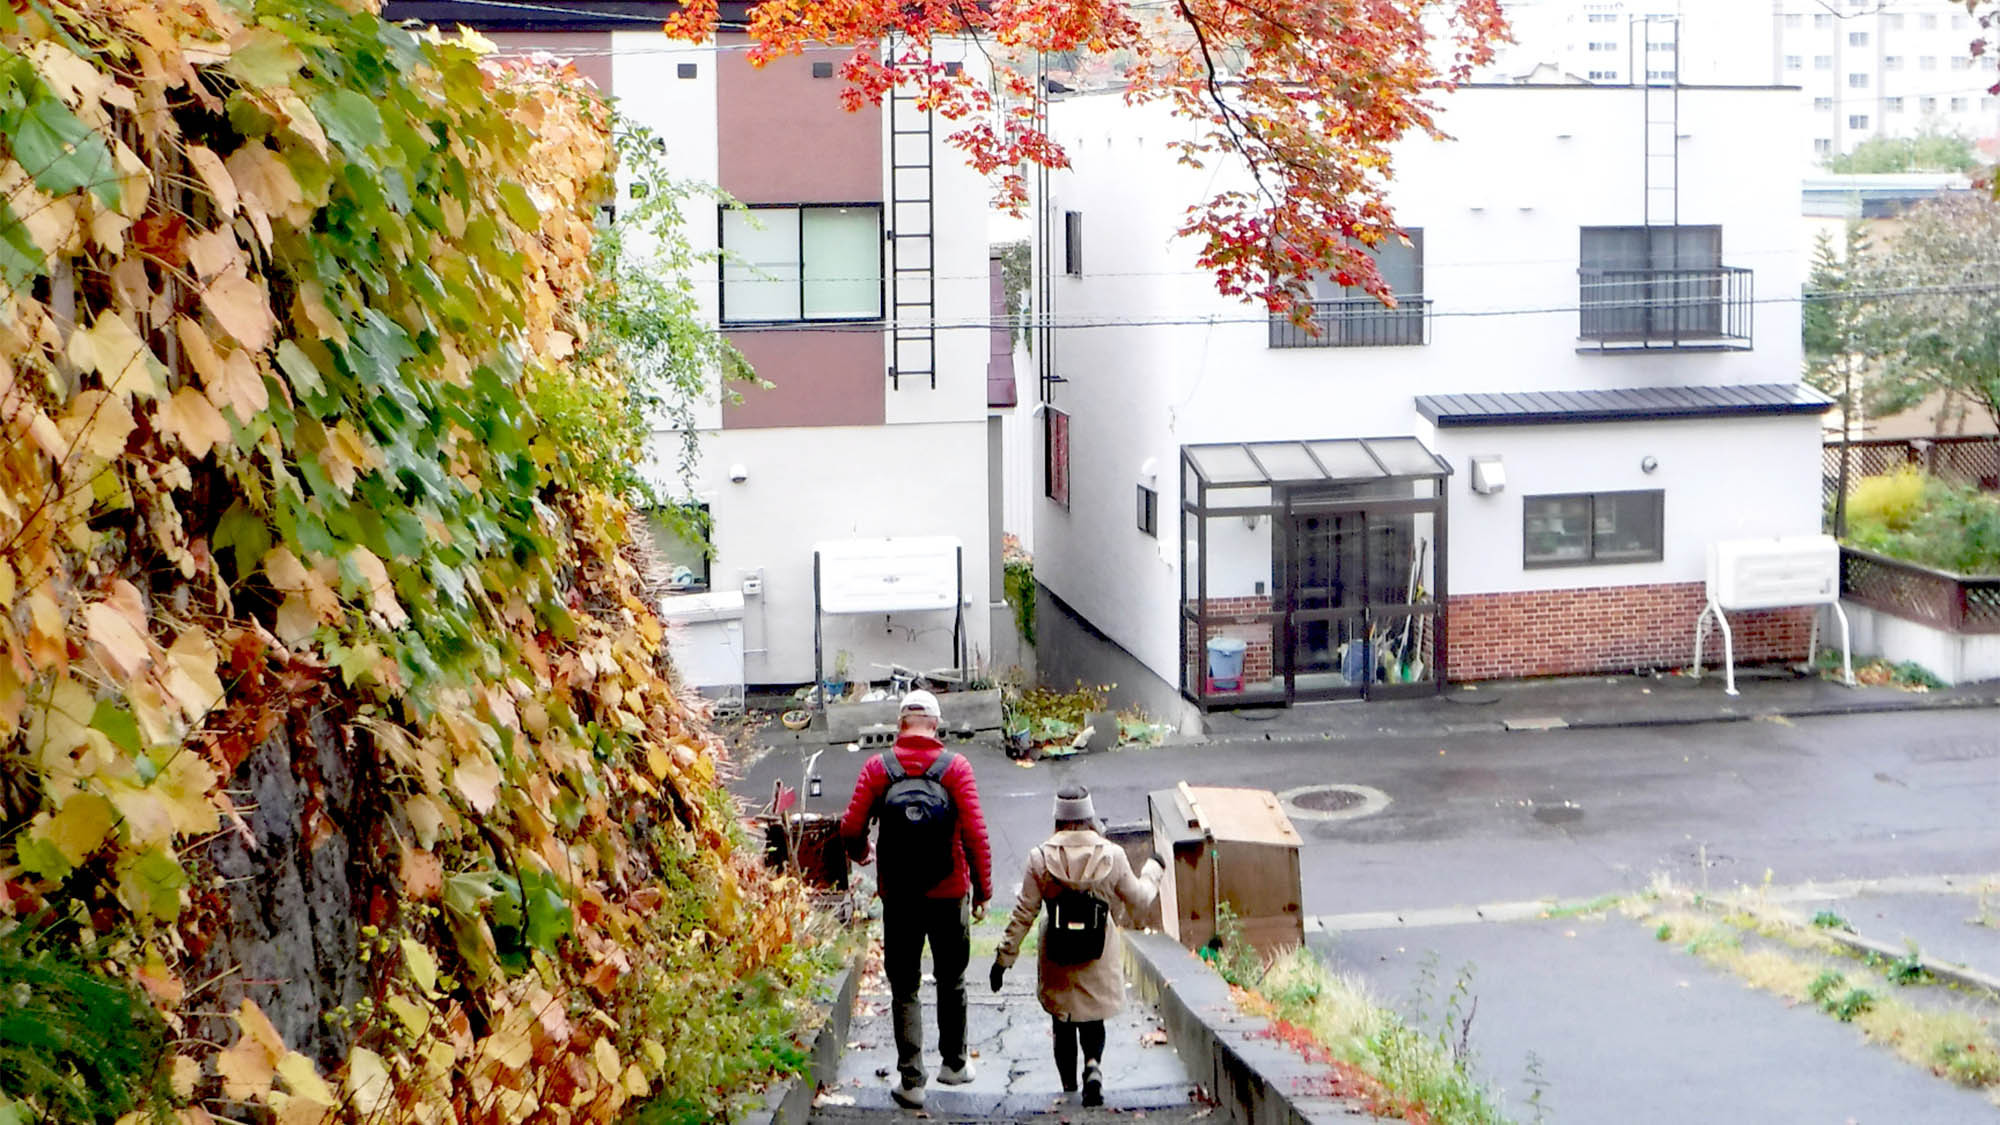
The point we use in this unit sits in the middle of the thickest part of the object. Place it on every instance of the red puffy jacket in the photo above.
(972, 860)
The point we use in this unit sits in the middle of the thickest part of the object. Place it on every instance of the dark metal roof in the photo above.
(1625, 404)
(546, 15)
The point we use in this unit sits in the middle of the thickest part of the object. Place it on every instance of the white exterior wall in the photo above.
(922, 473)
(1500, 209)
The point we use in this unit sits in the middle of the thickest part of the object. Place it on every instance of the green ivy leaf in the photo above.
(60, 152)
(118, 725)
(245, 533)
(350, 120)
(21, 261)
(514, 200)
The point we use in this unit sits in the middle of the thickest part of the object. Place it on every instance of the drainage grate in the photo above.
(1328, 800)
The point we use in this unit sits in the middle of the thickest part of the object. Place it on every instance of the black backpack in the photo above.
(919, 827)
(1074, 934)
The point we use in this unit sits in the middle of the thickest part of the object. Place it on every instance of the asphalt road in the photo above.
(1621, 1028)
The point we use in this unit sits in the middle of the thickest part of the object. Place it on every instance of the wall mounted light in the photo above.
(739, 472)
(1648, 464)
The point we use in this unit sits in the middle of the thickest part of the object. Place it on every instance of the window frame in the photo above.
(1073, 243)
(1056, 468)
(1149, 511)
(1657, 533)
(881, 266)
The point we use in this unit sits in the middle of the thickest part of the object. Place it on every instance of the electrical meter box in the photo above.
(1233, 846)
(1793, 570)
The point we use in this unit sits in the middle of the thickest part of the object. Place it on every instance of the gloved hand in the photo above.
(979, 912)
(994, 974)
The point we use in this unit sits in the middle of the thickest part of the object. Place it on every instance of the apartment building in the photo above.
(1866, 68)
(1590, 374)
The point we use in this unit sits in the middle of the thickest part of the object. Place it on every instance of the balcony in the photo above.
(1358, 322)
(1707, 309)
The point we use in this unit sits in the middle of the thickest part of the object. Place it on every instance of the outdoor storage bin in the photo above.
(1232, 846)
(1225, 662)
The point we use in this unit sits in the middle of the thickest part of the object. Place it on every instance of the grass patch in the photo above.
(1950, 1042)
(1598, 905)
(1398, 1068)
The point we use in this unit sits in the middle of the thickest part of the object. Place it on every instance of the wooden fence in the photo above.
(1973, 460)
(1953, 602)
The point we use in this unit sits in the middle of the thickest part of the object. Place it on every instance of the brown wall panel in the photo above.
(822, 379)
(784, 136)
(588, 50)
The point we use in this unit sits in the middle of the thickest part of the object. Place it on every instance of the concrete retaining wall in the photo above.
(1255, 1078)
(1955, 658)
(790, 1102)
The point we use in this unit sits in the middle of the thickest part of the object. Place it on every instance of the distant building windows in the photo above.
(1927, 105)
(1857, 81)
(1824, 104)
(1927, 21)
(1604, 76)
(1857, 121)
(1603, 17)
(1927, 62)
(1822, 62)
(1892, 62)
(1989, 102)
(1795, 20)
(1659, 76)
(1857, 39)
(1598, 45)
(1892, 21)
(1073, 243)
(1892, 105)
(1795, 62)
(1822, 21)
(1960, 105)
(1958, 23)
(1961, 62)
(1822, 146)
(1149, 511)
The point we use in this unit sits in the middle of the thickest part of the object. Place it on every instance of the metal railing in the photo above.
(1956, 602)
(1358, 322)
(1690, 308)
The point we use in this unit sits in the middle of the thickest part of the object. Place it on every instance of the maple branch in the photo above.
(1229, 115)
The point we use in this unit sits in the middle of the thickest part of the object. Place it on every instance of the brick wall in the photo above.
(1605, 629)
(1260, 657)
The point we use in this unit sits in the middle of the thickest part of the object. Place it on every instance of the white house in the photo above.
(1515, 472)
(858, 288)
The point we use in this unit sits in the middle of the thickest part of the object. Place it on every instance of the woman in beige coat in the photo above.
(1079, 996)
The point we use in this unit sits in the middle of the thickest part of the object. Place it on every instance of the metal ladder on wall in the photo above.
(1662, 108)
(912, 240)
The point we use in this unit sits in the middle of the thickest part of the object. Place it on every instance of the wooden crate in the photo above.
(1232, 846)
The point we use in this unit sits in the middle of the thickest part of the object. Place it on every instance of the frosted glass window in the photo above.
(760, 273)
(843, 262)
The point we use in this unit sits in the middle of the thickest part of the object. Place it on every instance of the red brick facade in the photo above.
(1604, 629)
(1260, 657)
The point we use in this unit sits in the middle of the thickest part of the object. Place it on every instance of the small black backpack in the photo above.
(918, 845)
(1074, 934)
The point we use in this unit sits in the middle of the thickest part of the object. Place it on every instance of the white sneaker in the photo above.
(909, 1097)
(956, 1077)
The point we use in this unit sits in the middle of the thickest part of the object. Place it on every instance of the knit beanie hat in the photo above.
(1077, 808)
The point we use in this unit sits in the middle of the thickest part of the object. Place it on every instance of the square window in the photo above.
(1073, 243)
(1586, 528)
(1927, 105)
(1960, 105)
(1892, 105)
(686, 70)
(1857, 39)
(1795, 20)
(1149, 511)
(1822, 62)
(1857, 121)
(1823, 103)
(1857, 81)
(1892, 62)
(801, 264)
(1055, 455)
(822, 70)
(1795, 62)
(1822, 146)
(1822, 20)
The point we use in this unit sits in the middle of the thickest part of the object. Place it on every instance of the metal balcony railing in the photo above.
(1635, 309)
(1359, 322)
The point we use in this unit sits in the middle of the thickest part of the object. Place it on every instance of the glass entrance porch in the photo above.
(1311, 570)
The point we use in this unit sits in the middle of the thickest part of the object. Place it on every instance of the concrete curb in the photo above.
(790, 1102)
(1254, 1078)
(1915, 702)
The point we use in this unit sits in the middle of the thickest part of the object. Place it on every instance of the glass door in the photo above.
(1326, 599)
(1360, 603)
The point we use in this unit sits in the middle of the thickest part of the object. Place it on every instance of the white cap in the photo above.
(922, 702)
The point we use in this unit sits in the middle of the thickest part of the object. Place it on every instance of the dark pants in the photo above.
(1091, 1032)
(908, 922)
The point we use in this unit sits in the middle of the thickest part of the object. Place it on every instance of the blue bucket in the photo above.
(1225, 663)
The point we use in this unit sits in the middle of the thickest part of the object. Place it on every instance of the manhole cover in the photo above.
(1333, 802)
(1328, 800)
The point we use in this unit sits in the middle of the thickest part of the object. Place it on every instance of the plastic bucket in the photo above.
(1225, 663)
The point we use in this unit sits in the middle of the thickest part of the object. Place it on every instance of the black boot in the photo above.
(1093, 1082)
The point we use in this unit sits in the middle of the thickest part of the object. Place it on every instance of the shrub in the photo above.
(1907, 515)
(1891, 500)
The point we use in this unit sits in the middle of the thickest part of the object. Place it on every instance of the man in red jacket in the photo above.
(935, 876)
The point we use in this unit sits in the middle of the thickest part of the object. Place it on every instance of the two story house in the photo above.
(1589, 375)
(856, 282)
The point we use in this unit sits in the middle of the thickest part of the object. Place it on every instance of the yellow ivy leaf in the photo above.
(477, 779)
(212, 252)
(658, 760)
(186, 1073)
(190, 674)
(382, 594)
(245, 1069)
(200, 351)
(299, 1074)
(112, 349)
(243, 308)
(636, 1083)
(97, 424)
(606, 1057)
(147, 812)
(79, 827)
(423, 967)
(370, 1087)
(190, 417)
(184, 784)
(215, 177)
(415, 1018)
(347, 455)
(117, 627)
